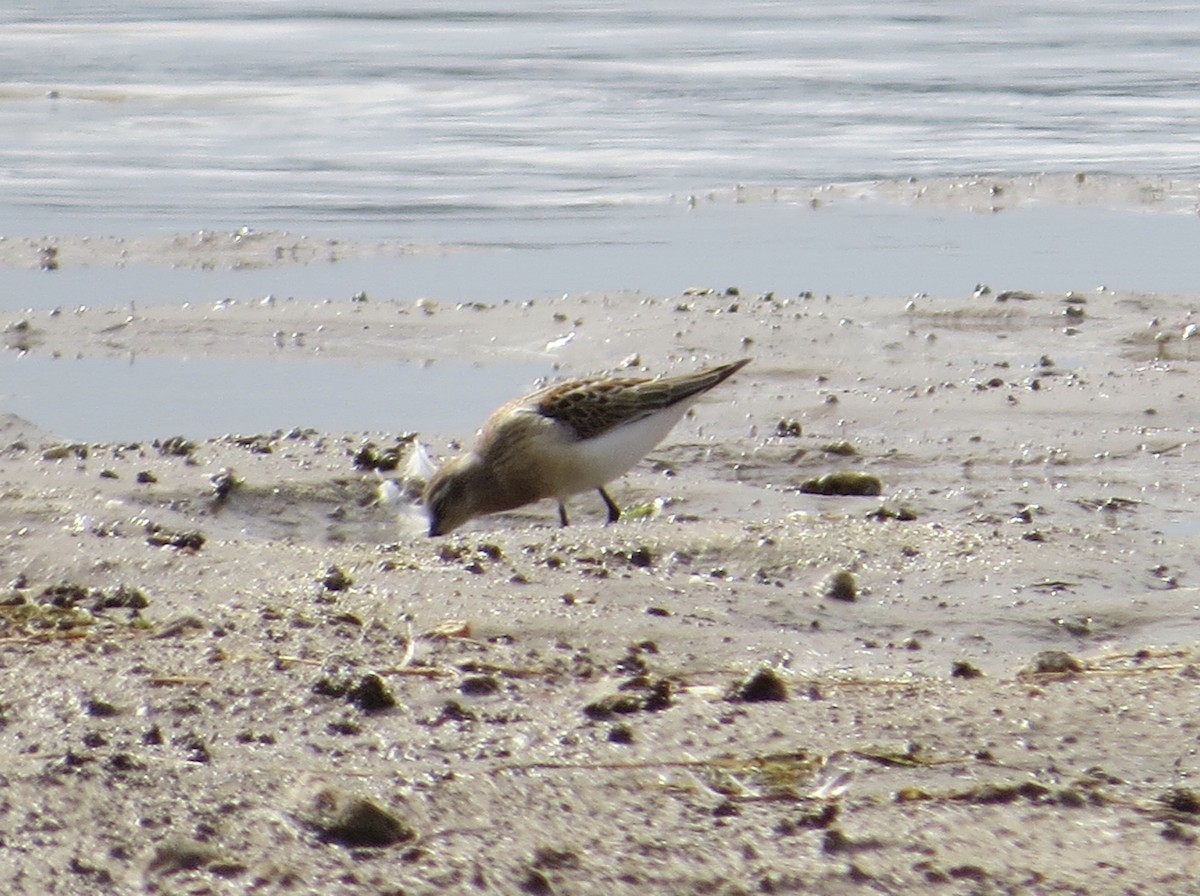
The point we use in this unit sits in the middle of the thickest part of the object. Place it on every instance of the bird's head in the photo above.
(454, 493)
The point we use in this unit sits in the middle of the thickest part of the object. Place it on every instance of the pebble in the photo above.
(764, 686)
(843, 586)
(351, 820)
(846, 482)
(1050, 662)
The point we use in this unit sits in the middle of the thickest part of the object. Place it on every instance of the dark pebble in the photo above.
(1050, 662)
(845, 483)
(354, 821)
(620, 734)
(842, 586)
(479, 686)
(963, 669)
(175, 446)
(763, 686)
(788, 429)
(100, 709)
(536, 883)
(371, 694)
(641, 557)
(1182, 799)
(336, 579)
(179, 855)
(160, 537)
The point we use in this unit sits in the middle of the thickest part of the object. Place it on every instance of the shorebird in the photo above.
(561, 440)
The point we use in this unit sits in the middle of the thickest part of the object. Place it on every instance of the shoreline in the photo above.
(248, 246)
(678, 700)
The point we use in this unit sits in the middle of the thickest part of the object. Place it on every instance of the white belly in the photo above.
(593, 462)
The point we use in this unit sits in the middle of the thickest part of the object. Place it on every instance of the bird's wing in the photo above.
(592, 407)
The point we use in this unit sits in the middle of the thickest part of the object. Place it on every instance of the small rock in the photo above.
(727, 808)
(1183, 800)
(620, 734)
(479, 686)
(536, 883)
(63, 451)
(345, 727)
(842, 585)
(555, 859)
(612, 704)
(490, 551)
(354, 821)
(963, 669)
(123, 597)
(840, 449)
(846, 482)
(179, 626)
(159, 536)
(336, 579)
(1177, 833)
(175, 446)
(63, 595)
(763, 686)
(641, 557)
(901, 514)
(1079, 626)
(224, 482)
(179, 854)
(100, 709)
(371, 694)
(367, 691)
(1056, 662)
(371, 457)
(640, 694)
(835, 841)
(195, 747)
(788, 429)
(453, 711)
(337, 678)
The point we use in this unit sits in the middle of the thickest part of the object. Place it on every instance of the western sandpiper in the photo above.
(564, 439)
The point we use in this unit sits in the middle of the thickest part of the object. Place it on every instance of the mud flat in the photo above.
(227, 667)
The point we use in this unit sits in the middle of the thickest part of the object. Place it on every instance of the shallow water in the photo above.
(562, 141)
(97, 400)
(856, 247)
(364, 118)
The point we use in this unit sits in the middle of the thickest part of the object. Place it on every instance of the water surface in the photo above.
(367, 118)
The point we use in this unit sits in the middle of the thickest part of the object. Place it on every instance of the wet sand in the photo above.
(228, 667)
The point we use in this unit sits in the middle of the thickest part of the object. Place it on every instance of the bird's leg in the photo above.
(562, 515)
(614, 512)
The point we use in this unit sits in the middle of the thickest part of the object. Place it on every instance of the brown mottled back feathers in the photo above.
(592, 407)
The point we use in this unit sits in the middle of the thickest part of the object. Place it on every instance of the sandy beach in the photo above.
(229, 667)
(907, 605)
